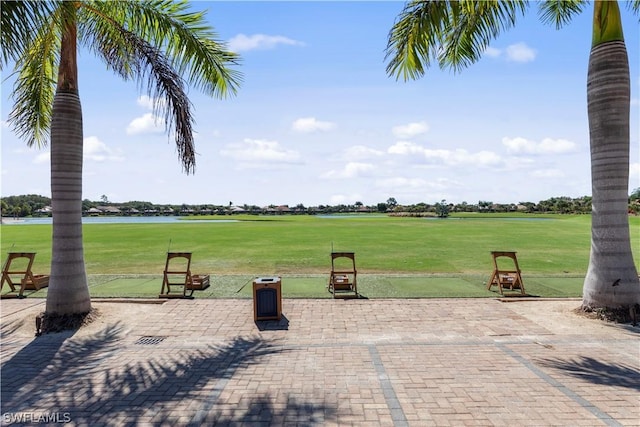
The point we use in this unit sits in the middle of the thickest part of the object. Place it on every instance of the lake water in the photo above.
(117, 220)
(177, 219)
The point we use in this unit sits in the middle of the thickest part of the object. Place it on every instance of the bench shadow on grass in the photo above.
(596, 372)
(57, 374)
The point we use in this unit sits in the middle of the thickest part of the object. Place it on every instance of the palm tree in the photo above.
(455, 34)
(153, 42)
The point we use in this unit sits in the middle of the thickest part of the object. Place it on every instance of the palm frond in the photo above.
(34, 88)
(634, 6)
(188, 41)
(166, 87)
(19, 21)
(160, 45)
(560, 12)
(415, 38)
(455, 34)
(472, 27)
(134, 58)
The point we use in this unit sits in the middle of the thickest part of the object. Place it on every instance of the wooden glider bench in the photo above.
(506, 279)
(177, 273)
(28, 280)
(343, 277)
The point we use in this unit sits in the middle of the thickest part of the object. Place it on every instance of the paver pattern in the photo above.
(396, 362)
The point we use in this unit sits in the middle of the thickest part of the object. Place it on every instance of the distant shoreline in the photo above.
(8, 220)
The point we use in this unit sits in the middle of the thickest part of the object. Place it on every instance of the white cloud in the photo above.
(42, 158)
(148, 123)
(242, 42)
(446, 157)
(98, 151)
(634, 170)
(519, 145)
(93, 150)
(259, 152)
(492, 52)
(548, 173)
(361, 152)
(413, 188)
(145, 102)
(405, 148)
(311, 124)
(148, 103)
(482, 158)
(402, 182)
(410, 130)
(520, 52)
(350, 170)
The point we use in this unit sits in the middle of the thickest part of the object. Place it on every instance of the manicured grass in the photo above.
(314, 286)
(396, 257)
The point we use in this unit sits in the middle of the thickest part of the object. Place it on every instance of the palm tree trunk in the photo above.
(612, 278)
(68, 289)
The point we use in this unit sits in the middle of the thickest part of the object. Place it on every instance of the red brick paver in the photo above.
(402, 362)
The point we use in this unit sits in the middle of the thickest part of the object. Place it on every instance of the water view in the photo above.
(115, 220)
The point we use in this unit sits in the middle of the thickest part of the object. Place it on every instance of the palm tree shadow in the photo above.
(59, 374)
(46, 358)
(597, 372)
(263, 412)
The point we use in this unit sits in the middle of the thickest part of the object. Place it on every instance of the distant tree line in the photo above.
(36, 205)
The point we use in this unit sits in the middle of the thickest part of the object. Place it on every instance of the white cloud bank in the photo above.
(93, 150)
(458, 156)
(148, 123)
(518, 52)
(311, 125)
(519, 145)
(243, 42)
(98, 151)
(256, 153)
(350, 170)
(361, 152)
(410, 130)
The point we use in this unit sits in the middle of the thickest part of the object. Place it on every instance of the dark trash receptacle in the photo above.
(267, 298)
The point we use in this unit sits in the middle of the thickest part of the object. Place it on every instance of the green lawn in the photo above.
(396, 257)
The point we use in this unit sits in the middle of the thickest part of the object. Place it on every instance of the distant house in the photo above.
(44, 211)
(109, 210)
(93, 211)
(283, 209)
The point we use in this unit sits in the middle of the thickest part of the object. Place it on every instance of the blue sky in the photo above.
(317, 120)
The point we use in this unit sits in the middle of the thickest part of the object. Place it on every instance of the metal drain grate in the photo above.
(150, 340)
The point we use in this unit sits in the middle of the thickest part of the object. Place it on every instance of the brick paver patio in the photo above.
(400, 362)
